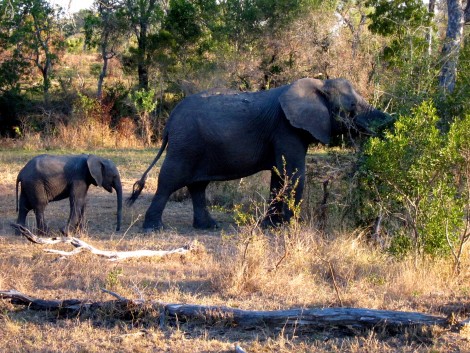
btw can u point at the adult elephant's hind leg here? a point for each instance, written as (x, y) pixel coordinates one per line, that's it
(202, 218)
(153, 216)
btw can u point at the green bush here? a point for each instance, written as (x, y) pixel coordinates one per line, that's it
(416, 177)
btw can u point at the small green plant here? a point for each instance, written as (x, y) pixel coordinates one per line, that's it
(112, 279)
(242, 216)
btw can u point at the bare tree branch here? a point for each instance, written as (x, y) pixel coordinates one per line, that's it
(80, 246)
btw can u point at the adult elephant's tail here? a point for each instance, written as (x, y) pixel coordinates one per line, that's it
(140, 184)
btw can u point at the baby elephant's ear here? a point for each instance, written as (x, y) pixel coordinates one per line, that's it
(304, 104)
(96, 167)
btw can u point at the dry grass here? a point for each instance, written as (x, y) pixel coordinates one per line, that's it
(239, 267)
(93, 134)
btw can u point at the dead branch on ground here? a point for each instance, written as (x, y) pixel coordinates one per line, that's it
(81, 245)
(301, 319)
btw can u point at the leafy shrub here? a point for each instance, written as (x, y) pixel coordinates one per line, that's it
(145, 103)
(417, 178)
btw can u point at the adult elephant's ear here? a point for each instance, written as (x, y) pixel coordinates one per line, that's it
(95, 166)
(304, 104)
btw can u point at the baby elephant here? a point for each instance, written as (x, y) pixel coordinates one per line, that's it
(47, 178)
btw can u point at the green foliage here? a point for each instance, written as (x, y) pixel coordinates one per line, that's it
(247, 216)
(85, 107)
(74, 45)
(11, 72)
(144, 100)
(182, 44)
(400, 245)
(407, 62)
(286, 194)
(117, 96)
(145, 103)
(257, 211)
(182, 21)
(244, 21)
(143, 18)
(396, 17)
(411, 175)
(30, 30)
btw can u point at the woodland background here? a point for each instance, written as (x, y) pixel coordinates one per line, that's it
(125, 63)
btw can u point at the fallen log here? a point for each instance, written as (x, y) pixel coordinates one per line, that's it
(300, 319)
(81, 245)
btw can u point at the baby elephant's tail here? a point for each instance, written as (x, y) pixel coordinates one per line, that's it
(140, 184)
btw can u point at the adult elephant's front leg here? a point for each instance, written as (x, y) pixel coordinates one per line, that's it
(202, 218)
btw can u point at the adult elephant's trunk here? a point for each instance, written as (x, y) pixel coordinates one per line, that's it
(118, 187)
(370, 119)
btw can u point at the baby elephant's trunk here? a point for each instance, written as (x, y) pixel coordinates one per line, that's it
(118, 187)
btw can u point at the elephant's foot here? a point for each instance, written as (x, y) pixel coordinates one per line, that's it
(150, 227)
(152, 230)
(205, 223)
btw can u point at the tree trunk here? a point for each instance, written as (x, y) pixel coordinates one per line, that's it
(452, 44)
(142, 65)
(467, 13)
(431, 10)
(104, 69)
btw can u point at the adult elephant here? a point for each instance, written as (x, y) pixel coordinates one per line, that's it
(47, 178)
(223, 135)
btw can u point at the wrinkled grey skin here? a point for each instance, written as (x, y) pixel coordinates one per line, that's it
(223, 135)
(47, 178)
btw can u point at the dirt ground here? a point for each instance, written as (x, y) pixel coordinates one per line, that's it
(206, 277)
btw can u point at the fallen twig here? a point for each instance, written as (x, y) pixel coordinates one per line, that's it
(80, 246)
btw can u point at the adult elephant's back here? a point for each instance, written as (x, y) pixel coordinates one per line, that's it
(225, 136)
